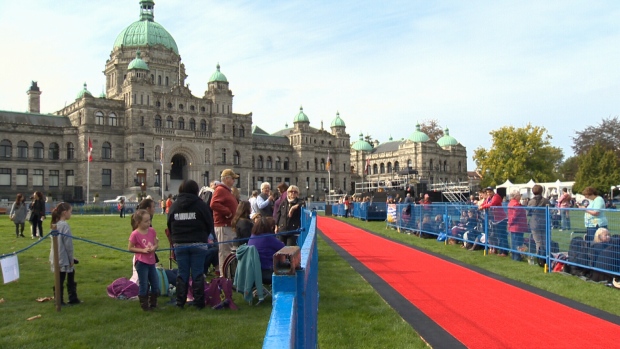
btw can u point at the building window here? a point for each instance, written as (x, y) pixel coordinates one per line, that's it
(389, 167)
(323, 185)
(223, 129)
(22, 177)
(269, 164)
(259, 163)
(166, 81)
(106, 177)
(223, 155)
(316, 164)
(278, 164)
(396, 166)
(374, 169)
(99, 118)
(234, 131)
(208, 156)
(22, 150)
(5, 177)
(112, 120)
(278, 180)
(316, 184)
(54, 152)
(203, 126)
(141, 120)
(69, 178)
(141, 151)
(308, 165)
(322, 164)
(382, 168)
(169, 122)
(236, 157)
(38, 150)
(192, 108)
(192, 124)
(159, 80)
(54, 178)
(409, 164)
(5, 149)
(157, 121)
(70, 151)
(106, 151)
(285, 164)
(181, 123)
(37, 178)
(180, 106)
(241, 131)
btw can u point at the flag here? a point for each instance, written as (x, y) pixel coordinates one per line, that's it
(90, 150)
(367, 166)
(328, 166)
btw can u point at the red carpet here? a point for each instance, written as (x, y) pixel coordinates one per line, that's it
(479, 311)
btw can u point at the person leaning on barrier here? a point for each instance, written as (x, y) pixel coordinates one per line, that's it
(499, 220)
(594, 218)
(517, 223)
(538, 219)
(190, 222)
(289, 216)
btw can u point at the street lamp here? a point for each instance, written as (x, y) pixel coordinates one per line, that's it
(307, 188)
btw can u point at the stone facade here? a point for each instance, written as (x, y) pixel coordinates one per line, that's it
(147, 104)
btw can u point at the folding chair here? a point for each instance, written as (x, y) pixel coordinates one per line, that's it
(248, 275)
(172, 257)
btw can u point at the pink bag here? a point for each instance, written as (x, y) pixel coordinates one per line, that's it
(123, 288)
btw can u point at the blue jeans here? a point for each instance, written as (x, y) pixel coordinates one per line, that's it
(500, 231)
(565, 219)
(516, 240)
(147, 274)
(190, 258)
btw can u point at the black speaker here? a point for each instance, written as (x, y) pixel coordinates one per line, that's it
(501, 192)
(420, 188)
(435, 196)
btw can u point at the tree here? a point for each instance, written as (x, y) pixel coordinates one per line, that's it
(607, 135)
(568, 169)
(598, 168)
(432, 129)
(518, 154)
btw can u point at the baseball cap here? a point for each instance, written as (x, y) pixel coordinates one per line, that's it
(228, 172)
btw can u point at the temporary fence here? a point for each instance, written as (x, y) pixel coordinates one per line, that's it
(293, 322)
(560, 239)
(366, 211)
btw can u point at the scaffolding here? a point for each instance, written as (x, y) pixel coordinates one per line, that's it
(453, 192)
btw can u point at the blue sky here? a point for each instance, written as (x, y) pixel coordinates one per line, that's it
(474, 66)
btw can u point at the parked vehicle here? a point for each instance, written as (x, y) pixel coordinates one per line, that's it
(117, 200)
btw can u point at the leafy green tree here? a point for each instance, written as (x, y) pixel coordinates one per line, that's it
(568, 169)
(518, 154)
(598, 168)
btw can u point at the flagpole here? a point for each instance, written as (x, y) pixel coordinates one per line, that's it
(161, 162)
(88, 173)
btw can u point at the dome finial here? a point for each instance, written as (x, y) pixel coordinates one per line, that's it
(147, 12)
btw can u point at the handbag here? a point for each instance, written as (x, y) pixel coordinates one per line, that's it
(12, 217)
(28, 215)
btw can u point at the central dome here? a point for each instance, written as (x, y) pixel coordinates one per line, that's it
(146, 32)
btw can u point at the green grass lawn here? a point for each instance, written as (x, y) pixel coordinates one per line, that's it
(351, 313)
(593, 294)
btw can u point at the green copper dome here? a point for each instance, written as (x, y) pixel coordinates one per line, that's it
(83, 93)
(218, 76)
(146, 32)
(418, 136)
(338, 122)
(301, 117)
(447, 140)
(362, 145)
(138, 63)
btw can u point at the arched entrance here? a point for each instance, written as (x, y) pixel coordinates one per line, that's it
(178, 169)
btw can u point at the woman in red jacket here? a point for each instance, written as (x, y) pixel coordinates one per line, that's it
(517, 223)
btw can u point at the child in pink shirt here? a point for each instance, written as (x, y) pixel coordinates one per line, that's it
(143, 242)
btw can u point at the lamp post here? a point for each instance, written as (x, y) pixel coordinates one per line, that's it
(307, 189)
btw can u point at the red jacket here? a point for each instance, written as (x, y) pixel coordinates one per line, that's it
(517, 218)
(223, 205)
(497, 213)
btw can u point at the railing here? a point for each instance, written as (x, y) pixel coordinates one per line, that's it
(556, 238)
(293, 322)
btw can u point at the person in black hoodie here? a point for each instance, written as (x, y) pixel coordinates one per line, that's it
(190, 222)
(289, 216)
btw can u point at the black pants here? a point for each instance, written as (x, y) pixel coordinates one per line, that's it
(71, 287)
(37, 224)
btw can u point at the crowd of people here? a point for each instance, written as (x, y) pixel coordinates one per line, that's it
(205, 226)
